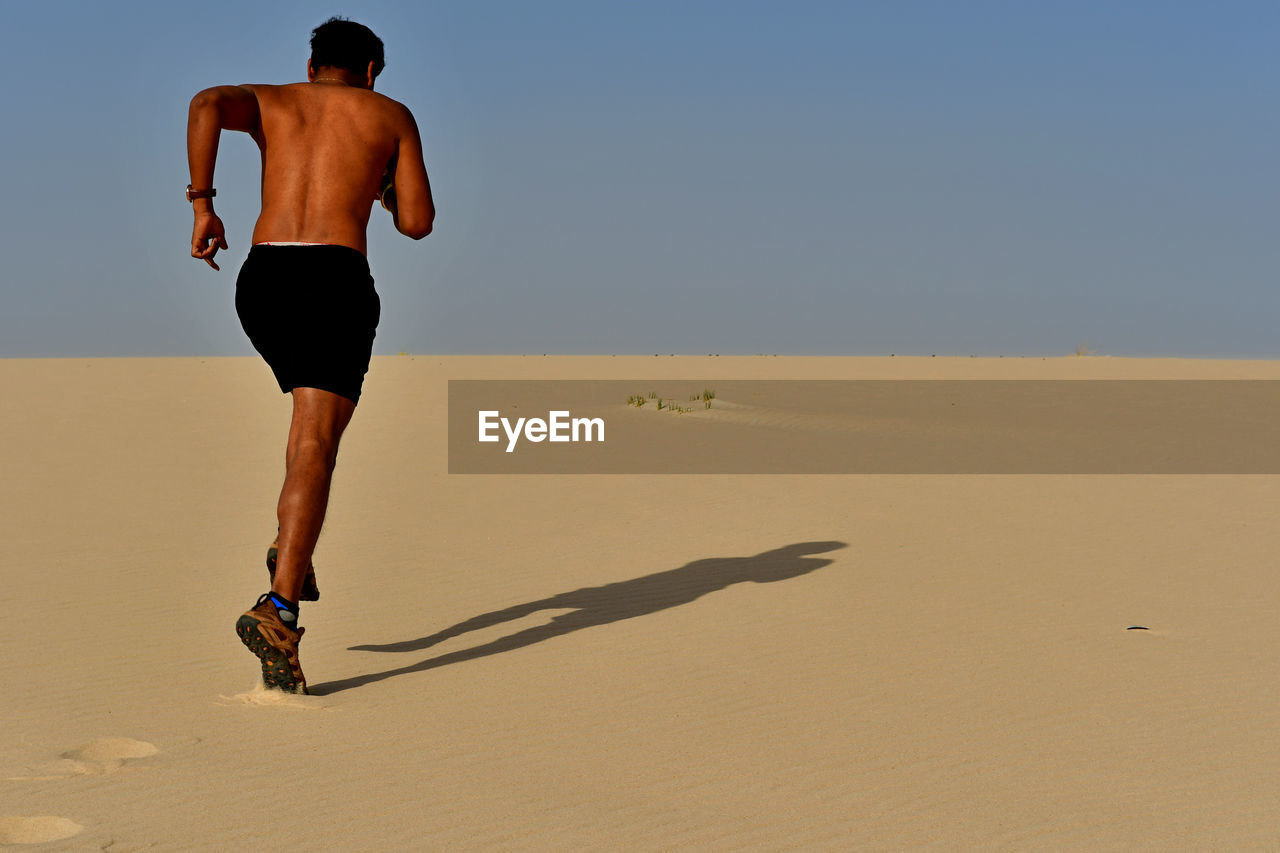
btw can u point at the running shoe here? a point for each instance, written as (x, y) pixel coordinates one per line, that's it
(275, 644)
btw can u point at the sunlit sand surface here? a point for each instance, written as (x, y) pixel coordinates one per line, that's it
(639, 662)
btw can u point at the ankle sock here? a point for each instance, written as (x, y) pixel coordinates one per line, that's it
(287, 609)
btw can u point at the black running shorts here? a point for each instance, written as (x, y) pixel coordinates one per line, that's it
(311, 311)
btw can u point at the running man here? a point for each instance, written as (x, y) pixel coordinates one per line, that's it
(330, 147)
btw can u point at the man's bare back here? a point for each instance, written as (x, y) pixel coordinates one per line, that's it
(326, 146)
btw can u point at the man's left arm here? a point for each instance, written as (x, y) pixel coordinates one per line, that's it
(211, 112)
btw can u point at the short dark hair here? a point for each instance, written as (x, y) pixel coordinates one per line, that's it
(339, 43)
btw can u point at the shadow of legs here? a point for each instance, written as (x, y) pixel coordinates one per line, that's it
(602, 605)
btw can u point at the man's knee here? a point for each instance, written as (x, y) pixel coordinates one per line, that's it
(310, 449)
(319, 419)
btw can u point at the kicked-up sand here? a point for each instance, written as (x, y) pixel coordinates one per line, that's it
(627, 661)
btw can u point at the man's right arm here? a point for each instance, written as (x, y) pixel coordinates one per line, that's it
(413, 209)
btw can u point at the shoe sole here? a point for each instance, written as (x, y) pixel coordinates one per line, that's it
(276, 672)
(310, 592)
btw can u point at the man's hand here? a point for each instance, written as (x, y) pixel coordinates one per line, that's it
(388, 194)
(207, 238)
(387, 188)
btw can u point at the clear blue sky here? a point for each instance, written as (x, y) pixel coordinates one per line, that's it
(693, 177)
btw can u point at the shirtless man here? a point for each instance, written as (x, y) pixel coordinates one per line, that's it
(331, 147)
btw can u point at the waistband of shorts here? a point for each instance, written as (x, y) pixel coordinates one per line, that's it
(281, 244)
(320, 257)
(278, 247)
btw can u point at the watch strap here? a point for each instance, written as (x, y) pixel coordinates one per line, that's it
(193, 194)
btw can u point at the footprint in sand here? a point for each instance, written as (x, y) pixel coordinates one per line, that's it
(95, 758)
(36, 830)
(108, 754)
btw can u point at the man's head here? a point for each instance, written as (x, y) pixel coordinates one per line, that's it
(346, 46)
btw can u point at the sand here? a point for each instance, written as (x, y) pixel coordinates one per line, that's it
(619, 662)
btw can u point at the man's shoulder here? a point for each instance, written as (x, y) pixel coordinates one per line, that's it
(391, 109)
(390, 104)
(402, 115)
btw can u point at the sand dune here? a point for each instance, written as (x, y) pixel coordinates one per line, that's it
(619, 662)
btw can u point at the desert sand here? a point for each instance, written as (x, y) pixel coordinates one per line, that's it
(619, 662)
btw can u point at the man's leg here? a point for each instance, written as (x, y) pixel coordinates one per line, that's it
(319, 418)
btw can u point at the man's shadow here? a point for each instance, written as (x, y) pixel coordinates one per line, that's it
(600, 605)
